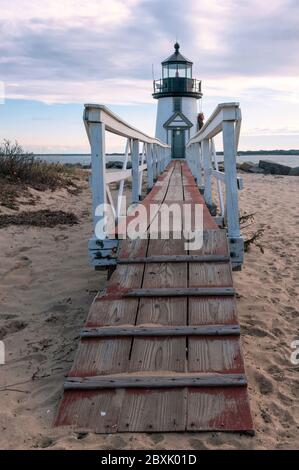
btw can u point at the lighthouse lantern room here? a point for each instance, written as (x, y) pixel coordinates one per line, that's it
(177, 93)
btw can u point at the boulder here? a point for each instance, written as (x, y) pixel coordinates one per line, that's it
(256, 169)
(245, 166)
(294, 171)
(274, 168)
(114, 165)
(249, 167)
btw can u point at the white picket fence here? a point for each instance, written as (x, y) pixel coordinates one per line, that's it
(147, 153)
(202, 160)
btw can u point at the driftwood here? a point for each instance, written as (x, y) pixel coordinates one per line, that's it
(254, 240)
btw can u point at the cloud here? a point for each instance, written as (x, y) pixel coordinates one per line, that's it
(107, 91)
(102, 50)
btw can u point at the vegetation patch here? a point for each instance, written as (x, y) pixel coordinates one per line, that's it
(20, 171)
(42, 218)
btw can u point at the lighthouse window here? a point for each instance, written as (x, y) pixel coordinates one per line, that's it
(177, 103)
(182, 70)
(172, 70)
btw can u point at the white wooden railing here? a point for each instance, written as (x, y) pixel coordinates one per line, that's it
(153, 156)
(202, 159)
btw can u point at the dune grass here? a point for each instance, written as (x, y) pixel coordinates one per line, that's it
(20, 170)
(19, 166)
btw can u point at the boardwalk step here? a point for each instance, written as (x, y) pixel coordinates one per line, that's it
(175, 259)
(181, 292)
(155, 381)
(215, 330)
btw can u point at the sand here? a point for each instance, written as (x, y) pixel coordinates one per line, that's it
(47, 286)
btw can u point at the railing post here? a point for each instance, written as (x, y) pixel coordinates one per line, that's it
(135, 171)
(158, 160)
(98, 166)
(207, 171)
(164, 158)
(155, 161)
(231, 190)
(149, 160)
(195, 153)
(199, 156)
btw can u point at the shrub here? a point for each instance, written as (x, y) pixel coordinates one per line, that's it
(18, 166)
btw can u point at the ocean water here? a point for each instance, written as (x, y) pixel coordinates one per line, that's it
(290, 160)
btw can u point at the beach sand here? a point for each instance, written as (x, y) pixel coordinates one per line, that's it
(47, 286)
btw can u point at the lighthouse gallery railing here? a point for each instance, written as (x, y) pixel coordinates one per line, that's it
(202, 160)
(146, 153)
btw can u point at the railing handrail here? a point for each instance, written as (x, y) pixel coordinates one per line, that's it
(202, 159)
(116, 125)
(212, 127)
(154, 157)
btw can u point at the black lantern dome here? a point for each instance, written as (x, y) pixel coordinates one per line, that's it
(177, 77)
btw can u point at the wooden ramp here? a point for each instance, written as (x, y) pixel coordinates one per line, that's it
(160, 349)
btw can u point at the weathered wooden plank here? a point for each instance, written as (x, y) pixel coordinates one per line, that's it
(180, 292)
(212, 310)
(164, 275)
(101, 356)
(214, 243)
(110, 331)
(96, 411)
(176, 259)
(210, 274)
(155, 381)
(112, 312)
(162, 310)
(158, 354)
(154, 410)
(218, 409)
(212, 354)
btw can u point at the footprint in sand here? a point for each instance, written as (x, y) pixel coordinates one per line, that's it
(11, 328)
(196, 444)
(264, 384)
(23, 262)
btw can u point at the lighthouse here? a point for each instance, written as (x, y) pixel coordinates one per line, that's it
(177, 93)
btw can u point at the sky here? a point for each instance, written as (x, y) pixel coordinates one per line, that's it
(57, 55)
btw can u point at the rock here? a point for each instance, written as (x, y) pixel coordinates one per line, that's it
(274, 168)
(118, 165)
(245, 166)
(294, 171)
(256, 169)
(250, 167)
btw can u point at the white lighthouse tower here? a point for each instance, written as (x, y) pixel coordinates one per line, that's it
(177, 93)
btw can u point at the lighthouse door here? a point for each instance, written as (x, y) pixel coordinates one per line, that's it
(178, 143)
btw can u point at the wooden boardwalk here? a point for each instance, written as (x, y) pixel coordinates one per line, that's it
(160, 349)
